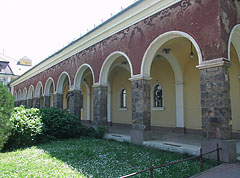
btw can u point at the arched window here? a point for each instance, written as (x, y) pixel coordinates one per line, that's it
(158, 96)
(123, 98)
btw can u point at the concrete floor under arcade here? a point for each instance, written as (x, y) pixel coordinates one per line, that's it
(175, 142)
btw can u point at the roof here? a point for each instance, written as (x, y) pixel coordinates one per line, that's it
(16, 69)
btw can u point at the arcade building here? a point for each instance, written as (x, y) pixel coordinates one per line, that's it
(168, 65)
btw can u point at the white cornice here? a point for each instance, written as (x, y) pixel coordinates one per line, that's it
(214, 63)
(142, 10)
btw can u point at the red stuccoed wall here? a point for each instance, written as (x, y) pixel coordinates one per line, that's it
(209, 22)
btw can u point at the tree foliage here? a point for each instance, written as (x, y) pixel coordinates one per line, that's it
(6, 107)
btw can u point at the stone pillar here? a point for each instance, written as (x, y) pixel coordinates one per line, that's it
(75, 103)
(46, 101)
(36, 102)
(24, 102)
(100, 106)
(58, 100)
(216, 109)
(141, 111)
(29, 103)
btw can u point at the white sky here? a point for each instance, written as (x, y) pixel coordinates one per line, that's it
(38, 28)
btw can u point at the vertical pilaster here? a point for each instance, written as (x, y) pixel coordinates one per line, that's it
(216, 108)
(75, 103)
(36, 102)
(29, 103)
(33, 102)
(141, 111)
(58, 100)
(46, 101)
(100, 105)
(25, 102)
(216, 102)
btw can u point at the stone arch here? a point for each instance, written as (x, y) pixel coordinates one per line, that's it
(38, 90)
(108, 66)
(79, 75)
(234, 38)
(157, 43)
(148, 59)
(60, 82)
(103, 77)
(30, 92)
(234, 73)
(47, 87)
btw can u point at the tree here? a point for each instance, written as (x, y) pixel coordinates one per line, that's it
(6, 107)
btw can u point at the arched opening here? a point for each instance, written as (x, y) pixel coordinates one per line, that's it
(83, 82)
(30, 96)
(39, 95)
(49, 91)
(63, 86)
(25, 96)
(15, 95)
(115, 73)
(19, 97)
(234, 74)
(171, 61)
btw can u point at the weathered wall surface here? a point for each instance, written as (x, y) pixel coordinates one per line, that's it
(202, 19)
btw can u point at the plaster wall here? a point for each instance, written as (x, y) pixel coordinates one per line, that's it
(234, 73)
(161, 72)
(119, 80)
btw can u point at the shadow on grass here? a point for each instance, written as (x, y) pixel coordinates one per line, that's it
(107, 158)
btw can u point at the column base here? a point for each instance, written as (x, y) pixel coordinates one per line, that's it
(227, 154)
(138, 136)
(109, 124)
(181, 130)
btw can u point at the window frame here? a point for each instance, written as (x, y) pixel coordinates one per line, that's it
(123, 99)
(154, 107)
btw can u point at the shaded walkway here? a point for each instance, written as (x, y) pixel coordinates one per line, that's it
(181, 143)
(222, 171)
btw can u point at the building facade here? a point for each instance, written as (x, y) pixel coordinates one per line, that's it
(169, 65)
(11, 69)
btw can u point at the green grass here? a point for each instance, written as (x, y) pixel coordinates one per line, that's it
(89, 157)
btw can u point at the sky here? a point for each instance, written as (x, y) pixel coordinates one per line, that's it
(39, 28)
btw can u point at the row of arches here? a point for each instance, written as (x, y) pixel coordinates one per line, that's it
(174, 84)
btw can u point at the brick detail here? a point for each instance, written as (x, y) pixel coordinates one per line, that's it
(75, 103)
(58, 100)
(46, 102)
(100, 106)
(216, 102)
(141, 113)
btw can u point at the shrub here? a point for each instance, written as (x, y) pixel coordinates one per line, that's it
(6, 107)
(99, 132)
(60, 124)
(26, 127)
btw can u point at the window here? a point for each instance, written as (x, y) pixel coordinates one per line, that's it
(158, 96)
(123, 98)
(2, 80)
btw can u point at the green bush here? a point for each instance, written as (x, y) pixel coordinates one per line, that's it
(60, 124)
(26, 127)
(30, 126)
(6, 107)
(99, 132)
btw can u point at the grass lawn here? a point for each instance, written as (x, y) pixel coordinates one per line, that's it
(89, 157)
